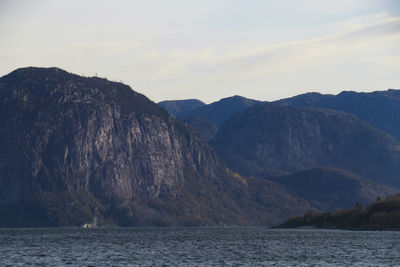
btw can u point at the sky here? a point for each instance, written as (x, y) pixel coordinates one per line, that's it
(210, 49)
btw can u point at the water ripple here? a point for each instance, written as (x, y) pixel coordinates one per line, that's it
(197, 247)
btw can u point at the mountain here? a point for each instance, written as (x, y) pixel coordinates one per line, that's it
(327, 188)
(205, 127)
(381, 215)
(304, 100)
(179, 108)
(380, 108)
(269, 139)
(76, 150)
(206, 119)
(218, 112)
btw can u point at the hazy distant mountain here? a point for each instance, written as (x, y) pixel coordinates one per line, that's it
(381, 215)
(218, 112)
(269, 139)
(304, 100)
(329, 188)
(205, 127)
(76, 150)
(179, 108)
(206, 119)
(381, 108)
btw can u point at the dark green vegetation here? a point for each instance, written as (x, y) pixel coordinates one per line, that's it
(74, 150)
(381, 108)
(381, 215)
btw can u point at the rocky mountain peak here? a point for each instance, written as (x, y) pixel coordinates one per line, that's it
(77, 148)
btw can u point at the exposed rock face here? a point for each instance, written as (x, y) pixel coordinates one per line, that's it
(76, 130)
(179, 108)
(62, 132)
(74, 149)
(269, 138)
(381, 108)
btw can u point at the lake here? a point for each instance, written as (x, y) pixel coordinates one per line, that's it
(197, 247)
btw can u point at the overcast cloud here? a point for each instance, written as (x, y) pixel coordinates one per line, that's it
(210, 49)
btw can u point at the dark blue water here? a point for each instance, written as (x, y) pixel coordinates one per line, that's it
(197, 247)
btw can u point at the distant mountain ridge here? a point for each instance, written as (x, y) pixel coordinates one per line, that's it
(344, 187)
(206, 119)
(218, 112)
(269, 139)
(380, 108)
(179, 108)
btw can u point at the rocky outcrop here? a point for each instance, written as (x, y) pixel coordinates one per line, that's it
(76, 148)
(63, 132)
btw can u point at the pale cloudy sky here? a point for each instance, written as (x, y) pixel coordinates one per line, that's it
(209, 49)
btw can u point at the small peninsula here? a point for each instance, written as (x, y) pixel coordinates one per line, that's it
(383, 214)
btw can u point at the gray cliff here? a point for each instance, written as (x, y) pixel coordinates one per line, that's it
(77, 149)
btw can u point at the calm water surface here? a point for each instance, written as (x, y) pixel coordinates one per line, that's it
(197, 247)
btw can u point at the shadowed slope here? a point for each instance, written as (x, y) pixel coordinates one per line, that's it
(380, 108)
(269, 139)
(179, 108)
(329, 188)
